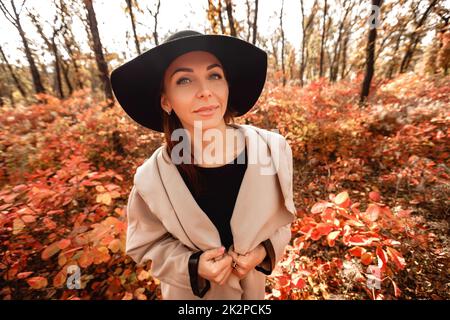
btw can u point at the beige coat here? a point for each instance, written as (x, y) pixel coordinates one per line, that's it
(166, 225)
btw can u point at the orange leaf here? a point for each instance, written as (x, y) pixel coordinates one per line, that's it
(37, 282)
(86, 259)
(49, 251)
(342, 200)
(23, 275)
(28, 218)
(60, 278)
(64, 243)
(366, 258)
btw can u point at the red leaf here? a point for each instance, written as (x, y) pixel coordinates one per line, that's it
(373, 212)
(383, 258)
(332, 237)
(396, 257)
(298, 282)
(319, 207)
(397, 291)
(315, 235)
(357, 240)
(374, 196)
(357, 251)
(324, 228)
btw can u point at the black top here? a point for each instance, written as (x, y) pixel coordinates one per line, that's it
(220, 187)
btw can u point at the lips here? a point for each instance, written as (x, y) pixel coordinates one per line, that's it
(206, 108)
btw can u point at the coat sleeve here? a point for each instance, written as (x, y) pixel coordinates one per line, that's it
(278, 241)
(275, 247)
(148, 239)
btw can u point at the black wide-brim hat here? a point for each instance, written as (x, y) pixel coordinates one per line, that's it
(137, 83)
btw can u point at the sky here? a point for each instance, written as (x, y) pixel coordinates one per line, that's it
(114, 23)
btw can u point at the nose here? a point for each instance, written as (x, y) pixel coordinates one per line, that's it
(204, 91)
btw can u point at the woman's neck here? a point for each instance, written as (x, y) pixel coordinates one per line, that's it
(218, 146)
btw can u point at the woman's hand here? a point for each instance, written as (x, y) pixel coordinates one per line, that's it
(215, 265)
(245, 263)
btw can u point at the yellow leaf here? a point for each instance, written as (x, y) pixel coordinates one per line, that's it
(114, 245)
(143, 275)
(18, 226)
(100, 188)
(104, 198)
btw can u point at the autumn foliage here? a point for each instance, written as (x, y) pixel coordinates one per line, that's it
(371, 188)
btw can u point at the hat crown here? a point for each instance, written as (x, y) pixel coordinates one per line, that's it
(182, 34)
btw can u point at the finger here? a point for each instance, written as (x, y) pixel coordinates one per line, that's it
(227, 275)
(221, 276)
(234, 255)
(214, 253)
(238, 272)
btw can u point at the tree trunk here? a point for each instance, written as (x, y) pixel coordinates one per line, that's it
(229, 8)
(344, 56)
(13, 74)
(133, 25)
(322, 41)
(57, 70)
(155, 19)
(414, 39)
(282, 43)
(98, 51)
(370, 58)
(52, 48)
(334, 65)
(14, 18)
(302, 61)
(255, 19)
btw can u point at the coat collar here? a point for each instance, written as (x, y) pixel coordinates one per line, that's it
(198, 227)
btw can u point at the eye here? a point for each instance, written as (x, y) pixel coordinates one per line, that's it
(216, 74)
(180, 81)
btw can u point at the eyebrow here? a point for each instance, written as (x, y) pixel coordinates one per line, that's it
(190, 70)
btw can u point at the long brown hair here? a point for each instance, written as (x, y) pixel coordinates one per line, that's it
(170, 124)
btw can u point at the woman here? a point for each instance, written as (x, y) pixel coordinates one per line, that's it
(212, 228)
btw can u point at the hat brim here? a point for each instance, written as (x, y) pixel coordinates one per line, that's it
(136, 84)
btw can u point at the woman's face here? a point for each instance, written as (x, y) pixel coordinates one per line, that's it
(192, 81)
